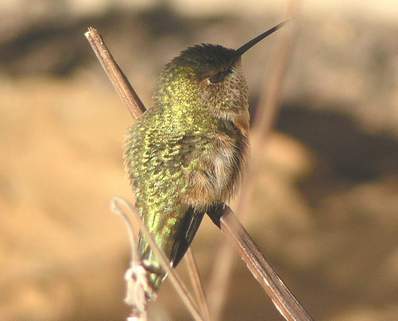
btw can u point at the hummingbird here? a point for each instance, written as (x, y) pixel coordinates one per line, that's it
(184, 156)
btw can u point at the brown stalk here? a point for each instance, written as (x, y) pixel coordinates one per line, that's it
(136, 108)
(220, 279)
(194, 276)
(118, 79)
(280, 295)
(119, 205)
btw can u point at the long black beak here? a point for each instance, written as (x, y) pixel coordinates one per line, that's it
(241, 50)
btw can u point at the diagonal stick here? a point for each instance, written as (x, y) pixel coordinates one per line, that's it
(118, 79)
(136, 108)
(194, 275)
(285, 302)
(118, 205)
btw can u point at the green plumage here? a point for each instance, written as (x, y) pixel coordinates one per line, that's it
(184, 155)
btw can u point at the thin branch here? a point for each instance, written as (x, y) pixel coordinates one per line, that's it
(219, 280)
(119, 205)
(283, 299)
(136, 108)
(132, 233)
(138, 294)
(118, 79)
(194, 275)
(269, 106)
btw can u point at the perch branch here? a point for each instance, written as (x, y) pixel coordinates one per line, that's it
(119, 206)
(194, 275)
(136, 108)
(118, 79)
(282, 298)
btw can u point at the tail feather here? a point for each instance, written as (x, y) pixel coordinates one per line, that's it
(185, 235)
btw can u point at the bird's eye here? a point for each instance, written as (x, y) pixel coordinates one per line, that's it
(219, 76)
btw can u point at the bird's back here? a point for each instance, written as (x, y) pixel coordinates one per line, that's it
(159, 157)
(178, 172)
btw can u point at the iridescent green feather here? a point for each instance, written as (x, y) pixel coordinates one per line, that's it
(162, 148)
(179, 143)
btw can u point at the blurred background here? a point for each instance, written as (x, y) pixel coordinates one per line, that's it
(325, 204)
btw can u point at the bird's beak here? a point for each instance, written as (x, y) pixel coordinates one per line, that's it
(241, 50)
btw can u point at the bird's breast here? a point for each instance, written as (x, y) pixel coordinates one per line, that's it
(218, 174)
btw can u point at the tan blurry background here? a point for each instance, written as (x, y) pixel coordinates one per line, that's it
(325, 203)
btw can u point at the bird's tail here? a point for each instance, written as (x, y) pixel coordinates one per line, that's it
(174, 249)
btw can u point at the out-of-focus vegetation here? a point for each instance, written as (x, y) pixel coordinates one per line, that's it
(325, 204)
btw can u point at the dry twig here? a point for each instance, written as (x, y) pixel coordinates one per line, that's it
(136, 108)
(118, 79)
(197, 284)
(122, 207)
(283, 299)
